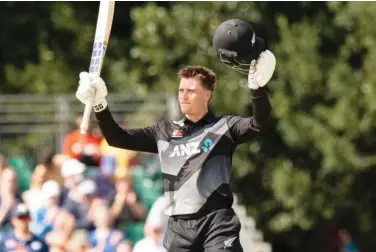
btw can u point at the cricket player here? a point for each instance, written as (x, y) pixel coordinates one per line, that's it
(195, 153)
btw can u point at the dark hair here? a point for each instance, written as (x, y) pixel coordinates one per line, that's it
(204, 74)
(45, 157)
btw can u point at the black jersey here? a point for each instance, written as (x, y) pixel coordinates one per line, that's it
(195, 157)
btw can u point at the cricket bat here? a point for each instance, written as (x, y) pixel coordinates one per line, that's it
(102, 35)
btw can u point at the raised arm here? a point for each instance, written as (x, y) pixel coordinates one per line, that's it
(92, 90)
(244, 129)
(143, 139)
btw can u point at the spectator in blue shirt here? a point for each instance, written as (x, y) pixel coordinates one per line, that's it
(45, 217)
(347, 244)
(105, 238)
(83, 207)
(20, 238)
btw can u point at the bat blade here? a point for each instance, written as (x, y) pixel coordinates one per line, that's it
(102, 36)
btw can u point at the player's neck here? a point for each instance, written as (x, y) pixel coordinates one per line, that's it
(196, 117)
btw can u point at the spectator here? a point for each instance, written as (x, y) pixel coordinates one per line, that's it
(3, 163)
(125, 206)
(155, 227)
(59, 159)
(347, 244)
(104, 179)
(21, 239)
(23, 171)
(72, 171)
(49, 160)
(152, 241)
(8, 195)
(32, 196)
(57, 162)
(79, 241)
(84, 207)
(85, 148)
(104, 238)
(58, 238)
(20, 167)
(156, 215)
(46, 215)
(105, 185)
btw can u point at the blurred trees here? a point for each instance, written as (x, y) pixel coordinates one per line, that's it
(314, 171)
(44, 46)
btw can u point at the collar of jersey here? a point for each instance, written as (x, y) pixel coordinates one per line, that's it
(208, 117)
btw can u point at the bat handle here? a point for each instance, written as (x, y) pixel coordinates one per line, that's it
(86, 118)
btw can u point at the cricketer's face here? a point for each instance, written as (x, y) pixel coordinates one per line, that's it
(193, 97)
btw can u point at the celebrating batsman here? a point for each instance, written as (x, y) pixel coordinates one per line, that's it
(195, 152)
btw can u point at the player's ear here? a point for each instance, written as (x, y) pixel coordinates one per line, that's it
(208, 94)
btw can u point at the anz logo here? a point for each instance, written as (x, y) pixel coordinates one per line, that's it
(191, 148)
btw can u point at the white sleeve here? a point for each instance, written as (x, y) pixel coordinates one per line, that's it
(157, 214)
(138, 247)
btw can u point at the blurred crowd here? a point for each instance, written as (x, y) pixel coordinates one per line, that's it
(90, 197)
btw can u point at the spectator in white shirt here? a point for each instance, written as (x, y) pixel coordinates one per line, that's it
(155, 227)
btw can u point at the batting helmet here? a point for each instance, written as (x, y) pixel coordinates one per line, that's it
(237, 44)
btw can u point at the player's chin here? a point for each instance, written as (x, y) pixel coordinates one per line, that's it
(185, 109)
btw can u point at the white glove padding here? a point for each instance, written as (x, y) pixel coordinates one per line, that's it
(92, 90)
(261, 71)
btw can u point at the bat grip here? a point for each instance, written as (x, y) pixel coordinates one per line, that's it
(86, 118)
